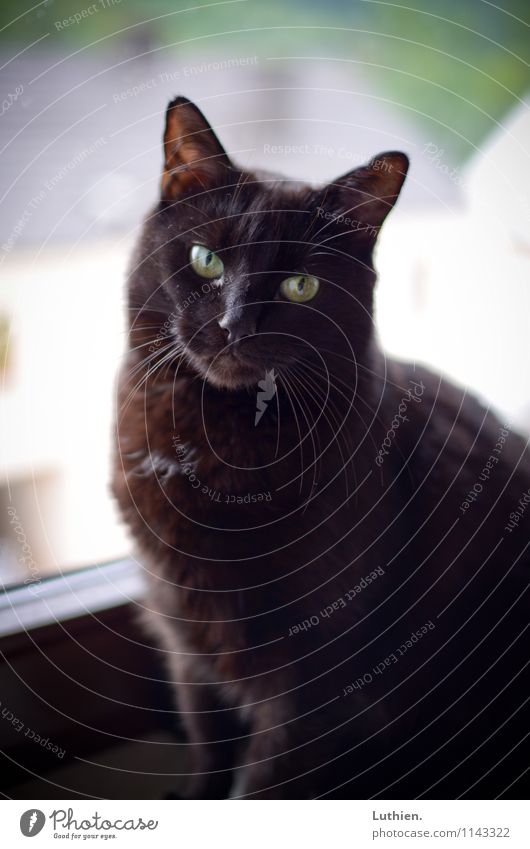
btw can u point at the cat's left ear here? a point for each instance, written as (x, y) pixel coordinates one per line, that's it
(367, 194)
(194, 158)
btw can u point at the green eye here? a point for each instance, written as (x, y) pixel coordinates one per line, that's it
(300, 288)
(205, 263)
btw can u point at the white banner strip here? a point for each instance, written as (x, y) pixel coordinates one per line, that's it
(262, 825)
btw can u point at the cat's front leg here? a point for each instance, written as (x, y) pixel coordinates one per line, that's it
(212, 732)
(271, 767)
(212, 728)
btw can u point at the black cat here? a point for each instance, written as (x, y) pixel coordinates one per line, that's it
(334, 565)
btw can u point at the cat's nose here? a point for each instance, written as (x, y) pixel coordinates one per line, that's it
(237, 329)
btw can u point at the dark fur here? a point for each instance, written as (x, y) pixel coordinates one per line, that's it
(229, 580)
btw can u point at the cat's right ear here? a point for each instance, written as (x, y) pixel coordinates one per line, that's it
(194, 158)
(366, 195)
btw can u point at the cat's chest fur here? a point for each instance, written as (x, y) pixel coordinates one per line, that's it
(192, 470)
(227, 527)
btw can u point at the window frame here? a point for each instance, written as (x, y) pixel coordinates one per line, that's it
(76, 667)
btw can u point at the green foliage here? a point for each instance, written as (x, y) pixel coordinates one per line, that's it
(455, 67)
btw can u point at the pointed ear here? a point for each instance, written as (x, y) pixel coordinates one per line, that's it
(193, 155)
(367, 194)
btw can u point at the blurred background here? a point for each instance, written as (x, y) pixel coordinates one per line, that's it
(82, 96)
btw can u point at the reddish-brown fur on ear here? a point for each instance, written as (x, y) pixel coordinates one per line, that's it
(193, 155)
(376, 187)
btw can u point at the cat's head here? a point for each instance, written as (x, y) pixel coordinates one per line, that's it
(242, 273)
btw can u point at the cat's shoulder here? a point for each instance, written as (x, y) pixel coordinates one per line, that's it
(445, 419)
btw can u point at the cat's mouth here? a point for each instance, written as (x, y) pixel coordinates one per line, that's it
(229, 369)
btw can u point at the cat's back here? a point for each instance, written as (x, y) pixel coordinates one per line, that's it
(466, 493)
(450, 438)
